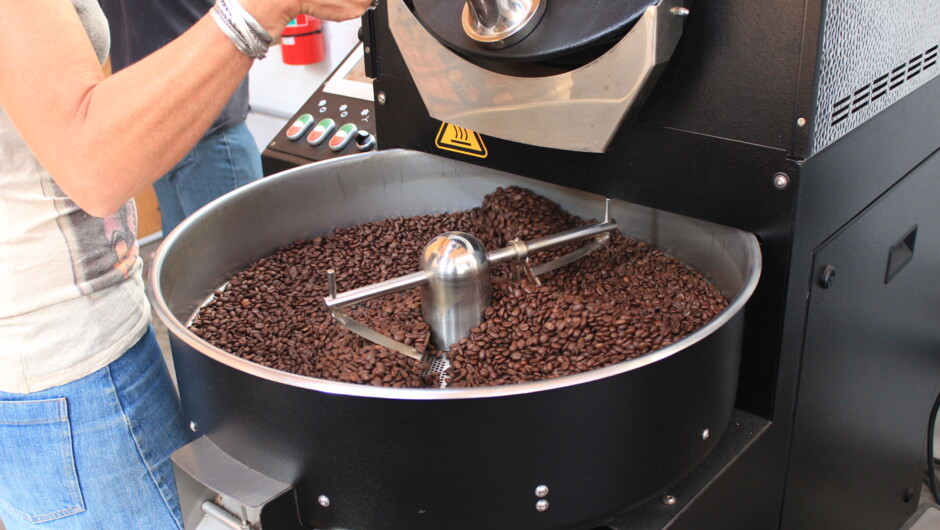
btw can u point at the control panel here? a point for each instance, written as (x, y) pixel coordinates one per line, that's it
(337, 120)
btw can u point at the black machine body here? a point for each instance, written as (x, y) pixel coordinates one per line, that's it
(813, 125)
(772, 118)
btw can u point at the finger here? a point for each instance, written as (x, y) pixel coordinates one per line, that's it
(336, 10)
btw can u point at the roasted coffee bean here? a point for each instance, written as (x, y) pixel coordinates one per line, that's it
(620, 302)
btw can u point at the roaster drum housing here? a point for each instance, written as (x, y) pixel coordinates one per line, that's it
(601, 442)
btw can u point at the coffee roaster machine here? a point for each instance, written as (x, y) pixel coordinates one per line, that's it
(814, 126)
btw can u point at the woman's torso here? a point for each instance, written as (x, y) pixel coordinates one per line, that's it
(71, 291)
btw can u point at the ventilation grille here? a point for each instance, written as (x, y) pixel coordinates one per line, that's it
(883, 85)
(871, 55)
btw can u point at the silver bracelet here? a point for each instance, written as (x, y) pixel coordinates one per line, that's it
(256, 29)
(229, 31)
(244, 38)
(241, 28)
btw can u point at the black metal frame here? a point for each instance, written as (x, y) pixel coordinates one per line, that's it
(720, 126)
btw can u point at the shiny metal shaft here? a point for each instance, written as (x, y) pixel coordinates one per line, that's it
(417, 279)
(552, 241)
(420, 278)
(362, 294)
(455, 278)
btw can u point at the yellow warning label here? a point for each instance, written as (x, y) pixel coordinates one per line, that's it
(460, 140)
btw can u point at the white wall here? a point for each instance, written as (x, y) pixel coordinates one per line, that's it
(277, 90)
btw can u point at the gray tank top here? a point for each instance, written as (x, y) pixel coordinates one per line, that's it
(71, 293)
(96, 25)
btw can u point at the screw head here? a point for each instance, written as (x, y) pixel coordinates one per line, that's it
(381, 98)
(324, 501)
(781, 181)
(669, 500)
(801, 122)
(193, 426)
(541, 491)
(542, 505)
(828, 277)
(705, 434)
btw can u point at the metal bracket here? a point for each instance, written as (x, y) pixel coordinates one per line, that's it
(372, 335)
(571, 257)
(364, 331)
(591, 101)
(219, 492)
(521, 265)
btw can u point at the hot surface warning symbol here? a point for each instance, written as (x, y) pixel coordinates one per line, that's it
(460, 140)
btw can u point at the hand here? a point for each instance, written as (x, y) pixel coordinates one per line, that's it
(335, 10)
(273, 16)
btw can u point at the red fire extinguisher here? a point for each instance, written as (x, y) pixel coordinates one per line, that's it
(302, 41)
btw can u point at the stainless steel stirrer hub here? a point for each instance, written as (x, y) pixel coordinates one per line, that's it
(458, 288)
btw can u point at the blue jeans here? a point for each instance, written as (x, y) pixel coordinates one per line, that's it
(220, 162)
(94, 453)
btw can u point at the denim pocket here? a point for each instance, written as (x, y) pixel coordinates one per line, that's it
(37, 468)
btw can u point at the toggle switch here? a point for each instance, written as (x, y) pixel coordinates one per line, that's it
(364, 141)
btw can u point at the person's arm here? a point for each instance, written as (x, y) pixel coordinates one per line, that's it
(103, 140)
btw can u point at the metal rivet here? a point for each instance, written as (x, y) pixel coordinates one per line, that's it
(681, 11)
(801, 122)
(381, 98)
(669, 500)
(781, 181)
(541, 491)
(366, 50)
(192, 426)
(324, 501)
(828, 277)
(705, 434)
(542, 505)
